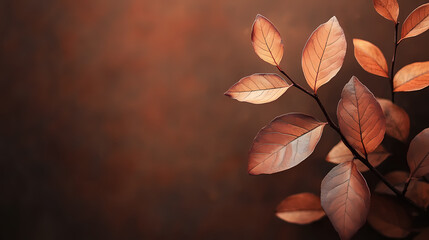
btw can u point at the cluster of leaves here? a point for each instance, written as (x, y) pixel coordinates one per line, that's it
(363, 121)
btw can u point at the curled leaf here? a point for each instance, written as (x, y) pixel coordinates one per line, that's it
(302, 208)
(389, 9)
(258, 88)
(389, 217)
(266, 41)
(418, 154)
(412, 77)
(416, 23)
(340, 153)
(284, 143)
(370, 58)
(397, 120)
(323, 54)
(345, 197)
(360, 117)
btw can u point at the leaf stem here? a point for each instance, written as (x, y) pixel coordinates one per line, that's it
(364, 160)
(392, 66)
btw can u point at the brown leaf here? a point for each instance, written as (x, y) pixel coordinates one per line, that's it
(266, 41)
(370, 58)
(389, 217)
(416, 23)
(323, 54)
(345, 197)
(412, 77)
(424, 235)
(258, 88)
(340, 153)
(396, 178)
(389, 9)
(302, 208)
(418, 154)
(360, 117)
(284, 143)
(397, 120)
(418, 192)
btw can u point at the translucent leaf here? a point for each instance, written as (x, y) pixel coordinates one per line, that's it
(389, 217)
(345, 197)
(284, 143)
(340, 153)
(397, 120)
(389, 9)
(370, 58)
(418, 154)
(360, 117)
(266, 41)
(323, 54)
(258, 88)
(412, 77)
(302, 208)
(416, 23)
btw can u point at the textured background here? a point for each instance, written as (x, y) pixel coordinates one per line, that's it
(113, 123)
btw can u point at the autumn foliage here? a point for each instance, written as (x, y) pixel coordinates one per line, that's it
(363, 121)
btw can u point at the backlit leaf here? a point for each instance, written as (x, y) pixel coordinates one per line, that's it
(345, 197)
(397, 120)
(258, 88)
(323, 54)
(360, 117)
(416, 23)
(302, 208)
(389, 217)
(389, 9)
(370, 58)
(412, 77)
(266, 41)
(340, 153)
(418, 154)
(284, 143)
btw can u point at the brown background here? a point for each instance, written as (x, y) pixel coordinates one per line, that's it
(114, 124)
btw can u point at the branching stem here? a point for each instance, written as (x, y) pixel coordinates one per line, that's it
(364, 160)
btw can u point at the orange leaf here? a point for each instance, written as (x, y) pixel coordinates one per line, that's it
(258, 88)
(418, 154)
(389, 9)
(412, 77)
(370, 58)
(340, 153)
(323, 54)
(302, 208)
(416, 23)
(397, 120)
(284, 143)
(345, 198)
(266, 41)
(360, 117)
(389, 217)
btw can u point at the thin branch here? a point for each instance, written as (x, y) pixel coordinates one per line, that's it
(356, 155)
(392, 66)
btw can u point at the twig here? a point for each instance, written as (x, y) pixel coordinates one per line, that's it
(392, 66)
(354, 152)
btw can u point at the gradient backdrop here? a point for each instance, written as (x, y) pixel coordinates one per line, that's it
(113, 122)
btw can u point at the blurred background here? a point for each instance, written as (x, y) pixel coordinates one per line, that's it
(113, 122)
